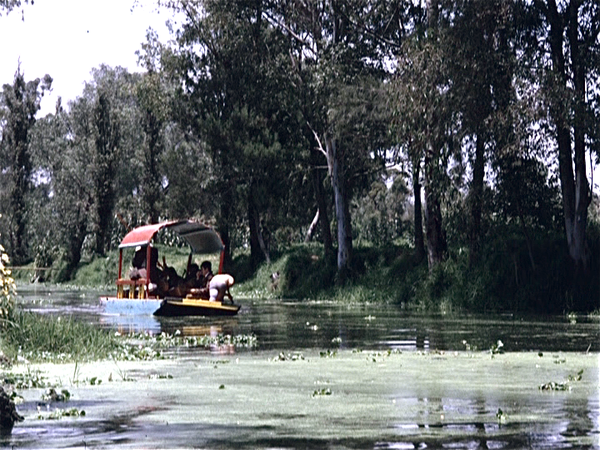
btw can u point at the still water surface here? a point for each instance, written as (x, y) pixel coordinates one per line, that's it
(440, 388)
(287, 325)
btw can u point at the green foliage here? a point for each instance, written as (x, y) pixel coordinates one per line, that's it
(232, 119)
(504, 281)
(31, 379)
(58, 339)
(100, 271)
(8, 290)
(19, 104)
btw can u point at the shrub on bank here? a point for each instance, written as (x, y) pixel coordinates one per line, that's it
(7, 289)
(37, 337)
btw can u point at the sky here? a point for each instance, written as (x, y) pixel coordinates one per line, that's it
(68, 38)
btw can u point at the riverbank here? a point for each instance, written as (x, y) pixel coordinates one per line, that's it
(341, 399)
(504, 281)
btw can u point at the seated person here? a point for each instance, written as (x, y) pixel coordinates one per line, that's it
(139, 269)
(203, 277)
(205, 274)
(187, 285)
(151, 272)
(171, 276)
(138, 263)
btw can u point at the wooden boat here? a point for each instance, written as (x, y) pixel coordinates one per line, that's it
(143, 290)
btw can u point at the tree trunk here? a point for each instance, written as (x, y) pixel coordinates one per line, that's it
(419, 238)
(476, 201)
(74, 244)
(575, 189)
(106, 145)
(322, 205)
(344, 229)
(436, 239)
(311, 229)
(258, 250)
(223, 222)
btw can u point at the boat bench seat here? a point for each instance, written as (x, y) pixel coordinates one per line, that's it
(138, 285)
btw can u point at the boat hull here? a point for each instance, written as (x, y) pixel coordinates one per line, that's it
(169, 307)
(195, 307)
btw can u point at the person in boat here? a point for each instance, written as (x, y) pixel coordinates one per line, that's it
(181, 287)
(219, 287)
(138, 263)
(172, 278)
(139, 266)
(205, 274)
(191, 276)
(203, 277)
(196, 285)
(158, 282)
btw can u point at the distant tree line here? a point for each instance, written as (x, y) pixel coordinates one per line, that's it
(437, 123)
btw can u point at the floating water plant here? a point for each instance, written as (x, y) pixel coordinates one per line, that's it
(31, 379)
(288, 357)
(321, 392)
(576, 377)
(166, 340)
(58, 414)
(497, 348)
(160, 376)
(554, 386)
(565, 386)
(52, 396)
(328, 354)
(500, 416)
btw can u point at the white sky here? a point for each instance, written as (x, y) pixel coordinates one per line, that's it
(68, 38)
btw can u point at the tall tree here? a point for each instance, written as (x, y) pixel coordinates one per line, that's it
(422, 121)
(335, 47)
(112, 132)
(20, 102)
(481, 66)
(154, 110)
(235, 85)
(107, 136)
(64, 143)
(569, 31)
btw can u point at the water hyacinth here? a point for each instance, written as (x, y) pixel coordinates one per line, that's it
(166, 340)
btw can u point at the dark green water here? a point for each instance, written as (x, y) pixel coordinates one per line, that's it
(439, 387)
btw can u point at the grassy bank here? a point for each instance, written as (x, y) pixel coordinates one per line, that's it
(513, 275)
(35, 337)
(509, 278)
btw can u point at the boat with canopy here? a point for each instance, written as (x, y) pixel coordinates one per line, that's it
(144, 285)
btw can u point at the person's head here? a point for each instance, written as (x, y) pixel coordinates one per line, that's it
(206, 267)
(193, 270)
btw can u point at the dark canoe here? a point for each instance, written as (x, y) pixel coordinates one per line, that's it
(174, 306)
